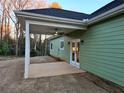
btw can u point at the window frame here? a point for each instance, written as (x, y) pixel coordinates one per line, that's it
(51, 46)
(62, 48)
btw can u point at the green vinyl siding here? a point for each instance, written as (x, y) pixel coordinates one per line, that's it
(56, 51)
(102, 52)
(67, 49)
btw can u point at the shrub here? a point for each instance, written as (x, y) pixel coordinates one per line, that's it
(5, 48)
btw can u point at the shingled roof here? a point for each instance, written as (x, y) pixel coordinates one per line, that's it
(59, 13)
(75, 15)
(106, 8)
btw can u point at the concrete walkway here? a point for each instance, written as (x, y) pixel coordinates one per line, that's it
(51, 69)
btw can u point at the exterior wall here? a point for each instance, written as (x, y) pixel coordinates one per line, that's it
(102, 52)
(63, 54)
(55, 51)
(71, 36)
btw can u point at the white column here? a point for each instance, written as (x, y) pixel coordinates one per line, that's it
(27, 50)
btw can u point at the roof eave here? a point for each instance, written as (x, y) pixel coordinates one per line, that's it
(49, 18)
(111, 13)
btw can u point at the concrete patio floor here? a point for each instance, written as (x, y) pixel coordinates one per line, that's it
(51, 69)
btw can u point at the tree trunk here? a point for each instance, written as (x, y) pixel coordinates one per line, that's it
(45, 46)
(17, 39)
(2, 26)
(35, 42)
(20, 41)
(40, 45)
(5, 25)
(8, 30)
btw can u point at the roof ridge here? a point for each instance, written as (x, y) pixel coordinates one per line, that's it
(58, 12)
(55, 9)
(70, 11)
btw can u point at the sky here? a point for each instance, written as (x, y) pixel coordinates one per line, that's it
(84, 6)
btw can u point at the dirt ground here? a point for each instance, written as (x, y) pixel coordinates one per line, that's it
(12, 81)
(2, 58)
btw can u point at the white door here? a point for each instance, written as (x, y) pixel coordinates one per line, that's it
(74, 52)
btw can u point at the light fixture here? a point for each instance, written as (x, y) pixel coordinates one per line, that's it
(82, 41)
(69, 42)
(56, 33)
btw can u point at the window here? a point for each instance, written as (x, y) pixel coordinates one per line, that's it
(61, 44)
(51, 46)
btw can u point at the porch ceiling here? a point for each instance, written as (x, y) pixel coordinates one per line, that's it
(38, 29)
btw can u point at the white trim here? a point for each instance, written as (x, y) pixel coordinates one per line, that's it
(107, 14)
(75, 40)
(74, 63)
(27, 50)
(69, 26)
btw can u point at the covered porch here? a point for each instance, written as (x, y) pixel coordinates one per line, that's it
(44, 24)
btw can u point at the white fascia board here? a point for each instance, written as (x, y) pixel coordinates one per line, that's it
(110, 13)
(49, 18)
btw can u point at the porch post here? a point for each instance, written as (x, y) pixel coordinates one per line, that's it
(27, 50)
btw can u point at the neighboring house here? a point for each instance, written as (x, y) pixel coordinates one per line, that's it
(94, 43)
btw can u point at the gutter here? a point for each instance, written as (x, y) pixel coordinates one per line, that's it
(111, 13)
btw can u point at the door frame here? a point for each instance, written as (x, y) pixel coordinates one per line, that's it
(74, 63)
